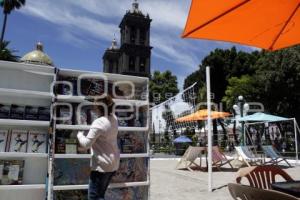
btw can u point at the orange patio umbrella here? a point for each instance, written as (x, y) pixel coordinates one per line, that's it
(267, 24)
(202, 115)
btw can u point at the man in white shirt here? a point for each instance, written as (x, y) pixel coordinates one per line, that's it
(102, 140)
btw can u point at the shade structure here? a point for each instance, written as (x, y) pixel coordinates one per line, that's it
(262, 117)
(182, 139)
(202, 115)
(267, 24)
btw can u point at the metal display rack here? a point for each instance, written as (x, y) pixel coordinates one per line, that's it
(32, 86)
(26, 85)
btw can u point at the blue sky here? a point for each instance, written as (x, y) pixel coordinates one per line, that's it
(75, 33)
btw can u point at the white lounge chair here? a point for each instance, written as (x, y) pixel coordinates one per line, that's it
(248, 156)
(270, 152)
(219, 159)
(190, 156)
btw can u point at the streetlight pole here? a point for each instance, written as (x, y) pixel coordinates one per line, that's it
(242, 109)
(241, 104)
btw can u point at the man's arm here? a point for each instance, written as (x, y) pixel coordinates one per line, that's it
(95, 131)
(87, 141)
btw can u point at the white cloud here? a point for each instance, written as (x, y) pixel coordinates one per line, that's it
(103, 8)
(173, 50)
(165, 13)
(70, 21)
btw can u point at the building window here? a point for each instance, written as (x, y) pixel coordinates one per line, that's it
(110, 66)
(132, 34)
(131, 63)
(142, 36)
(122, 36)
(142, 64)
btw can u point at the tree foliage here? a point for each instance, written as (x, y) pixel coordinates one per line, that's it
(8, 6)
(270, 78)
(278, 76)
(163, 85)
(245, 86)
(6, 53)
(223, 64)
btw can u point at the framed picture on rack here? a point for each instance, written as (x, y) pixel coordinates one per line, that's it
(131, 170)
(71, 195)
(37, 142)
(132, 142)
(71, 171)
(18, 141)
(132, 193)
(12, 172)
(3, 140)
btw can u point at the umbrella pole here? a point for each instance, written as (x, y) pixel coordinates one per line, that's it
(209, 136)
(296, 140)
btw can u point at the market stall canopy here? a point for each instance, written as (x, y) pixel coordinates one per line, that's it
(267, 24)
(202, 115)
(262, 117)
(182, 139)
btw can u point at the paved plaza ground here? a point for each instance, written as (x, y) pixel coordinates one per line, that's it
(167, 183)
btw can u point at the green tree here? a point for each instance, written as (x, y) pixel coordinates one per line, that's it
(163, 85)
(224, 64)
(278, 76)
(6, 53)
(8, 6)
(246, 86)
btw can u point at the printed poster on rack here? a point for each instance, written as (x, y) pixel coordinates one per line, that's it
(3, 140)
(18, 141)
(71, 195)
(131, 170)
(37, 141)
(127, 193)
(12, 172)
(132, 142)
(71, 171)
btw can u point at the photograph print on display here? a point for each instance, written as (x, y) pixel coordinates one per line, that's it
(18, 141)
(3, 139)
(37, 142)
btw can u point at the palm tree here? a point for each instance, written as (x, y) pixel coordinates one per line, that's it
(8, 6)
(7, 54)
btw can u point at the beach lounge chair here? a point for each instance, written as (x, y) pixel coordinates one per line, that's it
(271, 153)
(244, 192)
(262, 176)
(190, 156)
(219, 159)
(248, 156)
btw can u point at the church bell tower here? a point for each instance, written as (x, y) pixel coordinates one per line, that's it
(134, 55)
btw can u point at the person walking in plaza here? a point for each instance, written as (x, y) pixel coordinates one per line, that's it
(102, 140)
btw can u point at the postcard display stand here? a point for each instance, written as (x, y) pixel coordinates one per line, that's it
(71, 165)
(25, 101)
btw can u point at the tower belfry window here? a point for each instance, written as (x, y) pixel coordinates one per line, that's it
(132, 34)
(142, 36)
(110, 66)
(131, 63)
(142, 64)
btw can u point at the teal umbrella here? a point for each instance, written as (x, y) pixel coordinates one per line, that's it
(262, 117)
